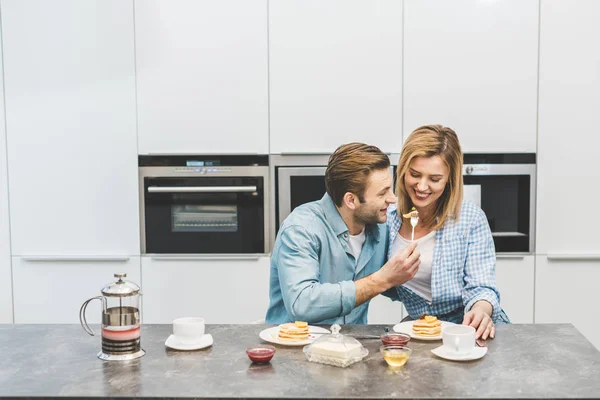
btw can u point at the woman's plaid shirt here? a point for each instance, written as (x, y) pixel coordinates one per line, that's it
(463, 267)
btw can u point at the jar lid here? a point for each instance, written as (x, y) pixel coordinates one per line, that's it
(335, 349)
(121, 287)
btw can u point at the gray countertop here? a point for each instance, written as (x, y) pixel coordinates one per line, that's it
(524, 361)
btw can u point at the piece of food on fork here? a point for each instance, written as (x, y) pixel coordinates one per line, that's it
(412, 213)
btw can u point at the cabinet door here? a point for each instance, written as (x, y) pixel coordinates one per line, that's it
(569, 129)
(335, 74)
(472, 65)
(220, 291)
(6, 308)
(202, 76)
(566, 291)
(51, 290)
(70, 112)
(382, 310)
(515, 280)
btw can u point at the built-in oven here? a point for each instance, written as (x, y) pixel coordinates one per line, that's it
(503, 185)
(204, 204)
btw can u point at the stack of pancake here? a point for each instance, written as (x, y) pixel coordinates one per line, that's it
(293, 331)
(427, 325)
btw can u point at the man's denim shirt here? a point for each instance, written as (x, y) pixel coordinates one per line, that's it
(313, 269)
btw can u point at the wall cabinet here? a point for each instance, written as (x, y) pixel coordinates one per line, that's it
(472, 65)
(515, 277)
(220, 291)
(202, 76)
(335, 74)
(569, 136)
(70, 112)
(51, 290)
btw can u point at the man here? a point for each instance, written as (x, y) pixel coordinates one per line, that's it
(329, 255)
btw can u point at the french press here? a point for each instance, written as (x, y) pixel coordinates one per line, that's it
(120, 320)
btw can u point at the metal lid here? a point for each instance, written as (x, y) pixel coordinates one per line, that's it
(120, 287)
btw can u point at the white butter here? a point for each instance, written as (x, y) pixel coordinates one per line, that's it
(338, 350)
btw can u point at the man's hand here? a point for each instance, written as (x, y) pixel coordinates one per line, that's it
(399, 269)
(402, 267)
(479, 317)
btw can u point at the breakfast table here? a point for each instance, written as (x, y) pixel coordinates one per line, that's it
(523, 361)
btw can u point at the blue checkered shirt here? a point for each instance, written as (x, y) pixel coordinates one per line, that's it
(462, 270)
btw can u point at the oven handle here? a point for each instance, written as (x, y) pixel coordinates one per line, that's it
(201, 189)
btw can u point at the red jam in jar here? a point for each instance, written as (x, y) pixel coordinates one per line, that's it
(397, 339)
(260, 354)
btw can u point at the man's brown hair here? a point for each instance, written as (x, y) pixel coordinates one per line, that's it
(349, 167)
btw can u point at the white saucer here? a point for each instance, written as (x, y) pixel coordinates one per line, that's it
(173, 343)
(406, 327)
(474, 354)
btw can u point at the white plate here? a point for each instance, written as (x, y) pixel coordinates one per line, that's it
(271, 335)
(474, 354)
(406, 327)
(204, 341)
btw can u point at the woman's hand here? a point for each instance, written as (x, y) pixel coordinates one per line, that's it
(479, 317)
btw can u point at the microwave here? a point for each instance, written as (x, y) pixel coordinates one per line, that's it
(503, 185)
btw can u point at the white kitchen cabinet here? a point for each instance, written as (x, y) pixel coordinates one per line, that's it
(566, 291)
(472, 65)
(53, 290)
(384, 311)
(220, 291)
(515, 277)
(568, 264)
(70, 111)
(6, 309)
(569, 130)
(202, 76)
(335, 74)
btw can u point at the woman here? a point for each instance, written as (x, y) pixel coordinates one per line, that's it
(456, 279)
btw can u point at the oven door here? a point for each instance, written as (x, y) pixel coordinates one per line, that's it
(296, 186)
(198, 215)
(506, 195)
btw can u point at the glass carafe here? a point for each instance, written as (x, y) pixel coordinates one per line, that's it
(121, 322)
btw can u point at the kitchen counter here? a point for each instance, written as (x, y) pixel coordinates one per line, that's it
(532, 361)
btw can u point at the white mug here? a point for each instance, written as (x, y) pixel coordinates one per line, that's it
(188, 330)
(459, 339)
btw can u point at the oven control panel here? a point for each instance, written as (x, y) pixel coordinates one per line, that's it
(203, 170)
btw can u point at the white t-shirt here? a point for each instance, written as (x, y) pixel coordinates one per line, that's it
(421, 282)
(356, 243)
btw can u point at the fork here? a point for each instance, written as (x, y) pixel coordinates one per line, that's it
(413, 222)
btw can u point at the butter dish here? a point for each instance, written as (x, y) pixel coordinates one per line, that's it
(335, 349)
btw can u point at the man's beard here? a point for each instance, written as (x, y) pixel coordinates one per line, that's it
(367, 217)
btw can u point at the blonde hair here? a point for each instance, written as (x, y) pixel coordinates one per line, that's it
(429, 141)
(349, 167)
